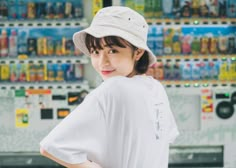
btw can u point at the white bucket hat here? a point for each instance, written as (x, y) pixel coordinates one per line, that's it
(117, 21)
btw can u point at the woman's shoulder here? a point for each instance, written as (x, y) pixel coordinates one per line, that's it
(121, 84)
(109, 85)
(113, 82)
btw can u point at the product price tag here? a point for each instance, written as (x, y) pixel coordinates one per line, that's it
(22, 57)
(207, 100)
(22, 118)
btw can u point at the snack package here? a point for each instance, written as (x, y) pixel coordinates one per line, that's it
(231, 9)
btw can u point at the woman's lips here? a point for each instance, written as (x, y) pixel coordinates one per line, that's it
(107, 72)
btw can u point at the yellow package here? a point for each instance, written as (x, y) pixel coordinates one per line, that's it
(5, 72)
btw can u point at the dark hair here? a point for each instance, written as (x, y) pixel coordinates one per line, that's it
(141, 65)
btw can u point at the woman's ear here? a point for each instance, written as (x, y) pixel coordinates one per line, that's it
(139, 53)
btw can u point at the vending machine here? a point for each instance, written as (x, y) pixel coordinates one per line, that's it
(206, 117)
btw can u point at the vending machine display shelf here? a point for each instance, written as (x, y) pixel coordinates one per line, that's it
(199, 83)
(45, 85)
(45, 23)
(194, 21)
(198, 56)
(45, 59)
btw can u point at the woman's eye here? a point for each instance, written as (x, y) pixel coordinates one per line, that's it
(94, 52)
(112, 51)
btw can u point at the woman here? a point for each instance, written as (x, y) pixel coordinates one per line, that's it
(126, 122)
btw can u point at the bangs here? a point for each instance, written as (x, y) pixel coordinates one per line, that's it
(98, 43)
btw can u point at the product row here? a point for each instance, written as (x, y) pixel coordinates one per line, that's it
(224, 69)
(161, 40)
(192, 40)
(40, 72)
(39, 9)
(37, 42)
(184, 8)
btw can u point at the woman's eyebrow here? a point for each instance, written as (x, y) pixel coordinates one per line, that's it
(110, 45)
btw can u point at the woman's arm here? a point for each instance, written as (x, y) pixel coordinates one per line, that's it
(87, 164)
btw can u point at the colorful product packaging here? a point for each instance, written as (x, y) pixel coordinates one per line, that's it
(186, 44)
(232, 69)
(13, 43)
(155, 39)
(176, 9)
(204, 71)
(196, 70)
(159, 70)
(231, 45)
(157, 8)
(167, 6)
(14, 74)
(186, 69)
(68, 10)
(22, 9)
(59, 73)
(168, 34)
(3, 10)
(195, 8)
(32, 46)
(177, 70)
(168, 70)
(213, 69)
(5, 72)
(222, 4)
(23, 69)
(223, 44)
(59, 10)
(78, 8)
(213, 45)
(22, 41)
(204, 43)
(4, 43)
(223, 70)
(213, 8)
(40, 73)
(203, 9)
(41, 10)
(148, 9)
(12, 9)
(176, 41)
(186, 10)
(139, 6)
(231, 9)
(31, 10)
(196, 45)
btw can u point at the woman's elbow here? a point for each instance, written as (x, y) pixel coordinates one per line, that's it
(42, 151)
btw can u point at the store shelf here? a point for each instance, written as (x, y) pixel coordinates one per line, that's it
(215, 56)
(193, 21)
(46, 59)
(44, 23)
(199, 83)
(44, 85)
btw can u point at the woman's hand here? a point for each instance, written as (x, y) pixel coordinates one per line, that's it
(87, 164)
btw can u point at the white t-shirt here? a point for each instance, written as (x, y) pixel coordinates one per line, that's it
(123, 123)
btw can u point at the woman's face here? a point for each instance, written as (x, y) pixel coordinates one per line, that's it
(113, 60)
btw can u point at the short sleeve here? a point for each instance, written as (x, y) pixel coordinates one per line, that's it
(80, 136)
(172, 129)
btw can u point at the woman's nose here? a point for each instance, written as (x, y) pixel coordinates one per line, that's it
(104, 60)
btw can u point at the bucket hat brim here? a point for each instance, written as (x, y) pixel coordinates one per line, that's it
(103, 31)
